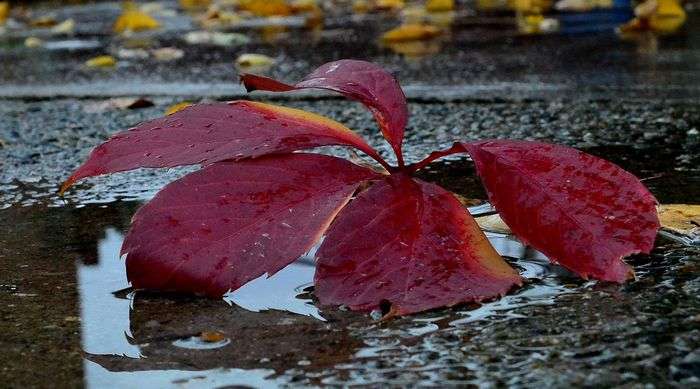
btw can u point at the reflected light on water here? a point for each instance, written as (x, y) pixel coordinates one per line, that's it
(106, 326)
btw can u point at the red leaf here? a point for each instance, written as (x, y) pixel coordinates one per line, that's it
(207, 133)
(358, 80)
(222, 226)
(581, 211)
(412, 244)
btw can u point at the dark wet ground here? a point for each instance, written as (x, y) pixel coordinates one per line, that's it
(68, 317)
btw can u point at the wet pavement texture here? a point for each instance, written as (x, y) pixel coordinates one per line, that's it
(67, 313)
(479, 57)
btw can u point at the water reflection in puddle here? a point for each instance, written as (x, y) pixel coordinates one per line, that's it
(97, 376)
(106, 322)
(105, 317)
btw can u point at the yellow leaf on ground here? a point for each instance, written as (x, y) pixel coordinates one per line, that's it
(134, 20)
(102, 61)
(298, 6)
(659, 16)
(177, 107)
(212, 336)
(439, 5)
(530, 6)
(33, 42)
(254, 61)
(360, 6)
(167, 54)
(411, 32)
(43, 22)
(65, 27)
(680, 218)
(194, 5)
(266, 7)
(493, 223)
(4, 11)
(389, 5)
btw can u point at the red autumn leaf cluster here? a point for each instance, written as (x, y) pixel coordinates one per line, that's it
(258, 204)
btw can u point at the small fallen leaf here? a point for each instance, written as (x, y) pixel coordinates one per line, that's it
(298, 6)
(215, 17)
(531, 6)
(4, 11)
(681, 219)
(212, 336)
(194, 5)
(360, 6)
(415, 49)
(659, 16)
(33, 42)
(389, 5)
(198, 37)
(101, 61)
(125, 53)
(43, 22)
(536, 24)
(229, 39)
(134, 20)
(118, 103)
(216, 38)
(254, 61)
(493, 223)
(177, 107)
(65, 27)
(411, 32)
(167, 54)
(266, 7)
(439, 5)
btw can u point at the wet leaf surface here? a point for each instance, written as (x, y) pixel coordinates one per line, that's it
(406, 246)
(359, 80)
(207, 133)
(581, 211)
(220, 227)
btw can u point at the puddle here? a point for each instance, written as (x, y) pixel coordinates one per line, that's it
(98, 377)
(271, 334)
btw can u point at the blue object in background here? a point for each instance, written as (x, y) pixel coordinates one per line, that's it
(596, 20)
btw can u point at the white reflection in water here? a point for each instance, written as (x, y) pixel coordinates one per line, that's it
(99, 377)
(105, 321)
(279, 291)
(105, 318)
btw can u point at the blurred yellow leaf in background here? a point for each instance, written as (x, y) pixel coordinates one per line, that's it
(102, 61)
(177, 107)
(4, 11)
(439, 5)
(43, 22)
(266, 7)
(411, 32)
(65, 27)
(194, 5)
(389, 5)
(133, 19)
(254, 61)
(33, 42)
